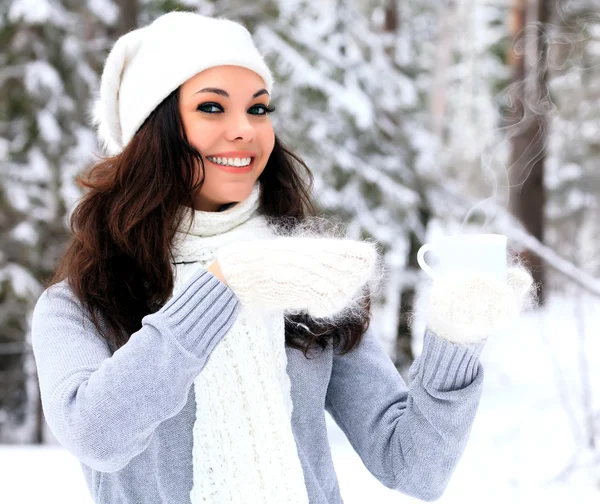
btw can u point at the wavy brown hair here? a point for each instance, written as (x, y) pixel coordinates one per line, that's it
(119, 260)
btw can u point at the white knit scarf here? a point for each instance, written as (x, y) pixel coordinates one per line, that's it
(243, 445)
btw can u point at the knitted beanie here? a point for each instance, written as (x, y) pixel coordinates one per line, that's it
(147, 64)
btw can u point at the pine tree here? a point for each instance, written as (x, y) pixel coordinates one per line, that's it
(471, 79)
(574, 146)
(50, 69)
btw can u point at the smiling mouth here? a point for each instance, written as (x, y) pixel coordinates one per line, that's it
(239, 168)
(234, 162)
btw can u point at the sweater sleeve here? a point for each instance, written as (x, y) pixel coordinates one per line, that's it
(104, 407)
(410, 438)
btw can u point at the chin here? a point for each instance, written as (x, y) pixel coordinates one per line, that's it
(235, 193)
(242, 189)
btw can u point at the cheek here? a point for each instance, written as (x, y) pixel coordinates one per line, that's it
(267, 139)
(201, 135)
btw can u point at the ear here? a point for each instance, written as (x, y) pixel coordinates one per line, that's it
(105, 115)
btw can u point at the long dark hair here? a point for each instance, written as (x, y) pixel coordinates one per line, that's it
(118, 262)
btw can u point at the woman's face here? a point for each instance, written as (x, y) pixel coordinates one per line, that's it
(224, 113)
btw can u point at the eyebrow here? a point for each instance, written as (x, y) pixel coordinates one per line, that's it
(224, 93)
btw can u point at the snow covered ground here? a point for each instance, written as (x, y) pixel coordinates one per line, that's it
(525, 434)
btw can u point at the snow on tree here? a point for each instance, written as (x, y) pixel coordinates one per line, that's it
(574, 146)
(50, 66)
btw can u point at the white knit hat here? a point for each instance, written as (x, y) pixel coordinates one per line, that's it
(147, 64)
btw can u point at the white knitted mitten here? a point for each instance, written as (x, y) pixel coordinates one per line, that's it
(468, 307)
(319, 275)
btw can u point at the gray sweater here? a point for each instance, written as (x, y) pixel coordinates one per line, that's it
(128, 415)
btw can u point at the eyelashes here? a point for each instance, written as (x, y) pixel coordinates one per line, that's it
(216, 108)
(205, 107)
(269, 109)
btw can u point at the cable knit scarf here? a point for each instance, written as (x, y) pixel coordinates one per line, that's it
(242, 438)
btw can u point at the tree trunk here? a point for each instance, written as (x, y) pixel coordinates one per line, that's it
(404, 356)
(530, 102)
(128, 15)
(39, 418)
(404, 353)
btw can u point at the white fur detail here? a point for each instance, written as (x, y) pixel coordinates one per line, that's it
(106, 110)
(466, 308)
(319, 275)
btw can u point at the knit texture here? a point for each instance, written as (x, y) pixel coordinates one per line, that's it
(243, 440)
(242, 436)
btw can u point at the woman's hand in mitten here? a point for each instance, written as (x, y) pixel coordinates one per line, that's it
(319, 275)
(469, 307)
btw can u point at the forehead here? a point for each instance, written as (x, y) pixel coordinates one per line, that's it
(227, 77)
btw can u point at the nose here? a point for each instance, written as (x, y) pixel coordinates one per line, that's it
(239, 128)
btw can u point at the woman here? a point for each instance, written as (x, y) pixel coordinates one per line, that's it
(198, 326)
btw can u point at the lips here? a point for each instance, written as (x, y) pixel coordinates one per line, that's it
(234, 154)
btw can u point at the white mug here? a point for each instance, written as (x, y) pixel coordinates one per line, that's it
(467, 253)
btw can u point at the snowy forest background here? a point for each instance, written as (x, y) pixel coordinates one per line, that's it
(417, 118)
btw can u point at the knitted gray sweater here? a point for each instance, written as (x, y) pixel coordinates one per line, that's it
(128, 415)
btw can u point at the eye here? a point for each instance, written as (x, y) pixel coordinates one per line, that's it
(209, 108)
(261, 109)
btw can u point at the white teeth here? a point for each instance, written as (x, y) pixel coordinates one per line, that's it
(230, 161)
